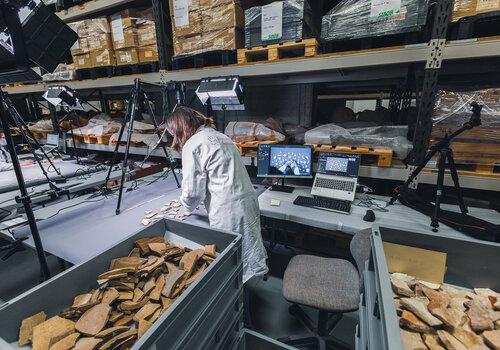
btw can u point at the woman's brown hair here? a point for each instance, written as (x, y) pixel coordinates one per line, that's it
(183, 123)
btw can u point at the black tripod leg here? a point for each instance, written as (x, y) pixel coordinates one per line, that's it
(158, 133)
(454, 176)
(24, 193)
(133, 109)
(439, 189)
(413, 175)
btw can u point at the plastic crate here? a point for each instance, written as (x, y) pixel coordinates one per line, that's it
(470, 263)
(175, 327)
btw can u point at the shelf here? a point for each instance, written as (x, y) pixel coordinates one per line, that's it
(88, 8)
(311, 69)
(141, 151)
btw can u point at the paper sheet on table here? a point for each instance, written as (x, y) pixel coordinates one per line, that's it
(426, 265)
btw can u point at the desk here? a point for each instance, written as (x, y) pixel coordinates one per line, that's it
(77, 235)
(397, 215)
(33, 174)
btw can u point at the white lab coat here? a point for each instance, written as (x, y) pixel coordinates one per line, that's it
(212, 171)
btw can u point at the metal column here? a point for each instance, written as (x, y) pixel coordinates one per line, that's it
(161, 14)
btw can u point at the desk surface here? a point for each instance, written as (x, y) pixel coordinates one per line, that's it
(80, 234)
(397, 215)
(33, 174)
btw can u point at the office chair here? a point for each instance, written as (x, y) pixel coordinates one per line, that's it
(332, 286)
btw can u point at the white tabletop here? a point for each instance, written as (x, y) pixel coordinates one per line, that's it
(397, 214)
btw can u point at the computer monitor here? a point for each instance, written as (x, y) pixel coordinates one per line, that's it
(284, 161)
(338, 164)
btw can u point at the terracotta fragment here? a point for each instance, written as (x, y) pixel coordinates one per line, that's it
(449, 341)
(143, 327)
(158, 248)
(155, 316)
(87, 344)
(492, 338)
(109, 296)
(159, 284)
(135, 252)
(149, 286)
(438, 297)
(93, 320)
(432, 342)
(126, 261)
(480, 317)
(146, 311)
(66, 343)
(124, 320)
(125, 295)
(210, 250)
(171, 282)
(420, 310)
(143, 243)
(411, 322)
(116, 273)
(113, 342)
(130, 305)
(82, 299)
(27, 325)
(189, 260)
(447, 316)
(109, 331)
(467, 338)
(166, 302)
(412, 341)
(138, 294)
(197, 274)
(400, 287)
(51, 331)
(114, 316)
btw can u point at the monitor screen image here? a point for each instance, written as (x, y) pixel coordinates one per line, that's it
(337, 164)
(290, 161)
(284, 161)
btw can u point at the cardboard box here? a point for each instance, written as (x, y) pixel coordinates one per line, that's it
(187, 45)
(191, 26)
(148, 53)
(82, 61)
(124, 29)
(468, 8)
(99, 41)
(146, 34)
(127, 56)
(204, 4)
(222, 17)
(103, 58)
(225, 39)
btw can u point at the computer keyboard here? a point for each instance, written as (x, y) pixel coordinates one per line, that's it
(331, 204)
(335, 184)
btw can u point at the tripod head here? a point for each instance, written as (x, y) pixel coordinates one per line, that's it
(475, 119)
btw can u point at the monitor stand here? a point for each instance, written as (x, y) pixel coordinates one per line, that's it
(282, 187)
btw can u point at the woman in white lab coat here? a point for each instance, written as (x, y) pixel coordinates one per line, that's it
(212, 171)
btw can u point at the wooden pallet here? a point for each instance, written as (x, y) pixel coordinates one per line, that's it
(274, 52)
(39, 135)
(480, 158)
(383, 154)
(249, 148)
(101, 139)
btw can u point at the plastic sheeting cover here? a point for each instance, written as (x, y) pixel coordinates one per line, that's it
(249, 131)
(366, 18)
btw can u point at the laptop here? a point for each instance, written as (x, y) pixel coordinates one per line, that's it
(337, 176)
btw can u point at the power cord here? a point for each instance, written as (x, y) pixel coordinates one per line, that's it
(370, 202)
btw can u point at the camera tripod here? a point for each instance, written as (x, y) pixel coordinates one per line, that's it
(134, 106)
(445, 159)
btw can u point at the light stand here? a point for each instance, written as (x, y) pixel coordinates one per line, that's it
(445, 157)
(137, 95)
(23, 198)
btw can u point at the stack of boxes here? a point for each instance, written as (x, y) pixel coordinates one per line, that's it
(127, 37)
(94, 47)
(467, 8)
(206, 25)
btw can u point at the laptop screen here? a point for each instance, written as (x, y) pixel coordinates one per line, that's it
(339, 164)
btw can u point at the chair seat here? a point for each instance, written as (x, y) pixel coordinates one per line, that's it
(322, 283)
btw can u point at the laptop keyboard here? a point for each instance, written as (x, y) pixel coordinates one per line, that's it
(339, 185)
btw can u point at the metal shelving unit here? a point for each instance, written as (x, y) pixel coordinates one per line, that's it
(141, 151)
(89, 8)
(310, 69)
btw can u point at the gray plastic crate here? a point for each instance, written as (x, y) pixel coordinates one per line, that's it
(470, 263)
(176, 325)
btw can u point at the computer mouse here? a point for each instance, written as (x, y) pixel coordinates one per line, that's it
(369, 216)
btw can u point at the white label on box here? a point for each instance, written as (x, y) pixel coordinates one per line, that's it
(117, 28)
(81, 61)
(181, 13)
(381, 9)
(272, 21)
(99, 58)
(487, 5)
(148, 54)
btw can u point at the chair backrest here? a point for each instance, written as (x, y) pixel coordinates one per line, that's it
(360, 250)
